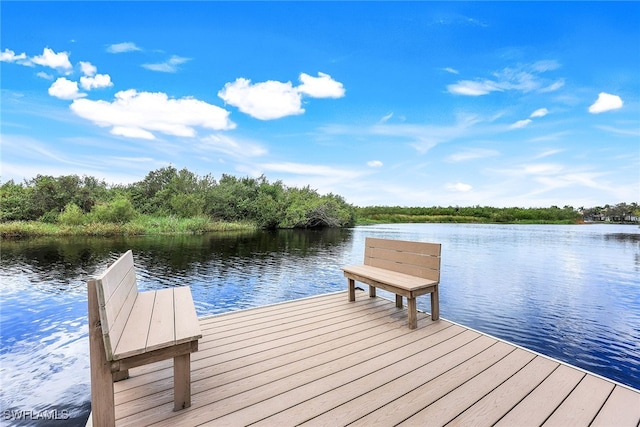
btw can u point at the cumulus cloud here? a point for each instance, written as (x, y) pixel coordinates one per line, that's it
(65, 89)
(10, 56)
(459, 186)
(273, 99)
(322, 86)
(51, 59)
(139, 114)
(374, 164)
(606, 102)
(122, 47)
(265, 101)
(96, 82)
(87, 68)
(169, 66)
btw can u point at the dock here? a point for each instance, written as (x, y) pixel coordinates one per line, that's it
(325, 361)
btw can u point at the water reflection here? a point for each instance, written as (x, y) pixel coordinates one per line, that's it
(571, 292)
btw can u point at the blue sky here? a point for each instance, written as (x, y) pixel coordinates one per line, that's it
(385, 103)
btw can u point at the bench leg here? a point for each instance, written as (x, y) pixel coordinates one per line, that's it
(352, 289)
(102, 398)
(435, 305)
(413, 313)
(398, 301)
(182, 382)
(372, 291)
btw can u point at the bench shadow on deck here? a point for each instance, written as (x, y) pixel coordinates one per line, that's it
(325, 361)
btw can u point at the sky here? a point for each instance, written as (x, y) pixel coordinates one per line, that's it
(528, 104)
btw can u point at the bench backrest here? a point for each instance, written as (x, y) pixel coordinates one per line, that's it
(117, 291)
(414, 258)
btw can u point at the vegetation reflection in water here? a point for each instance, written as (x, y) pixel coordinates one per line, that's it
(571, 292)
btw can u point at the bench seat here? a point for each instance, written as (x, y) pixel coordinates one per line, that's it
(408, 269)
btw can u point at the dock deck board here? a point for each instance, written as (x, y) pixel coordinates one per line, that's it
(324, 361)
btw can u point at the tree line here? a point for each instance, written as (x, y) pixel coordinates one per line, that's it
(167, 192)
(486, 214)
(75, 200)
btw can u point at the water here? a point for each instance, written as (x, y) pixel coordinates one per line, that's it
(570, 292)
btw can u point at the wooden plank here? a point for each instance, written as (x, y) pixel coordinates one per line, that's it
(430, 392)
(583, 404)
(187, 325)
(134, 336)
(448, 407)
(536, 407)
(113, 275)
(329, 408)
(113, 328)
(308, 384)
(493, 406)
(622, 408)
(403, 258)
(396, 279)
(162, 326)
(404, 245)
(376, 393)
(342, 364)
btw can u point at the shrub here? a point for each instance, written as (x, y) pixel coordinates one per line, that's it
(72, 215)
(119, 211)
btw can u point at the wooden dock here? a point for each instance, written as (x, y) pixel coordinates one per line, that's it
(324, 361)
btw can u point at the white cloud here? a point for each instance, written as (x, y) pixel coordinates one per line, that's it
(65, 89)
(87, 68)
(265, 101)
(540, 112)
(606, 102)
(132, 132)
(386, 118)
(553, 86)
(140, 114)
(122, 47)
(451, 70)
(273, 99)
(309, 169)
(524, 78)
(169, 66)
(322, 86)
(96, 82)
(10, 56)
(58, 61)
(520, 124)
(232, 146)
(459, 186)
(473, 88)
(375, 164)
(472, 154)
(44, 75)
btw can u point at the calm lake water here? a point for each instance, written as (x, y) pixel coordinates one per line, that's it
(570, 292)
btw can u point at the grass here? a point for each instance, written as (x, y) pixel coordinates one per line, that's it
(142, 225)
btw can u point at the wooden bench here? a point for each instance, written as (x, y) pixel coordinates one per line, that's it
(408, 269)
(128, 328)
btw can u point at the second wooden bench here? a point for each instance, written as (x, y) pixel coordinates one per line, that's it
(128, 328)
(408, 269)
